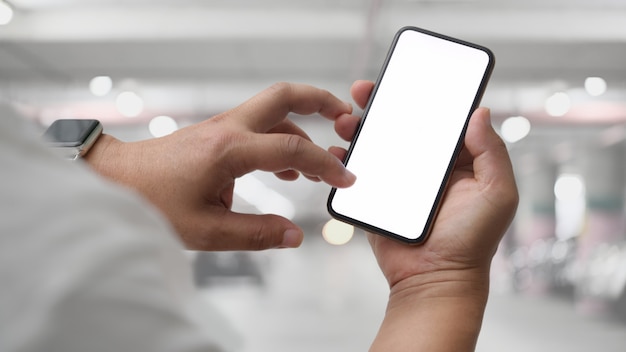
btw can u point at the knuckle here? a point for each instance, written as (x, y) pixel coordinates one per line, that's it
(218, 118)
(326, 95)
(281, 89)
(223, 149)
(260, 239)
(293, 146)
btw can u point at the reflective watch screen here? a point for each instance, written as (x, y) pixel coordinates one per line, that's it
(412, 129)
(69, 133)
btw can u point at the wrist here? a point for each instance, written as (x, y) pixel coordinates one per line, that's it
(439, 311)
(104, 155)
(461, 284)
(463, 294)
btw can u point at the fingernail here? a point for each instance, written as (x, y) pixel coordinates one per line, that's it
(350, 108)
(292, 238)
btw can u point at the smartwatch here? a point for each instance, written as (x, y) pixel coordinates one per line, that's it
(72, 138)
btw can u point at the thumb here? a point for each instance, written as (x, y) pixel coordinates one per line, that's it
(491, 158)
(481, 137)
(492, 170)
(235, 231)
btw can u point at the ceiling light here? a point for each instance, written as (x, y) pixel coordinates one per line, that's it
(337, 233)
(129, 104)
(6, 13)
(569, 187)
(162, 126)
(558, 104)
(100, 85)
(515, 128)
(595, 86)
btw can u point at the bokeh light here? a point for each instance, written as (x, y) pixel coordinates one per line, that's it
(558, 104)
(515, 128)
(100, 85)
(595, 86)
(162, 126)
(6, 13)
(569, 187)
(337, 233)
(129, 104)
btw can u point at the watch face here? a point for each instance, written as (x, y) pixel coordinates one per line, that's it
(69, 133)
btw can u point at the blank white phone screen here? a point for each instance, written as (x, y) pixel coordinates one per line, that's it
(410, 132)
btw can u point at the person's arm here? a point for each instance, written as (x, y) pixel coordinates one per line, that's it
(439, 290)
(434, 316)
(190, 174)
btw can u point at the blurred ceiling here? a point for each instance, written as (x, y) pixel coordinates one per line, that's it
(206, 56)
(191, 59)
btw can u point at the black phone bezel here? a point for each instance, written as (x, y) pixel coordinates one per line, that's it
(437, 202)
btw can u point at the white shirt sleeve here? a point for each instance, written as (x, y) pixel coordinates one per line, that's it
(89, 266)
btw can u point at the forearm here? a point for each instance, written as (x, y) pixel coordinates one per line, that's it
(434, 316)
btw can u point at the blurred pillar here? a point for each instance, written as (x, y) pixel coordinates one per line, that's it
(603, 171)
(535, 222)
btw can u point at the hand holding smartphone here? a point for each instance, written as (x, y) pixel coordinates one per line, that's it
(411, 133)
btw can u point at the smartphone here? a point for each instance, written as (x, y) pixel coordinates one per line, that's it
(411, 133)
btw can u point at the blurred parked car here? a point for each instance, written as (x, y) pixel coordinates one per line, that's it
(210, 267)
(603, 276)
(546, 265)
(561, 266)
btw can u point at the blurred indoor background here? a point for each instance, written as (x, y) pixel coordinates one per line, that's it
(558, 97)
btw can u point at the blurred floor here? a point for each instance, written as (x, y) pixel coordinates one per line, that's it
(316, 298)
(327, 298)
(541, 323)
